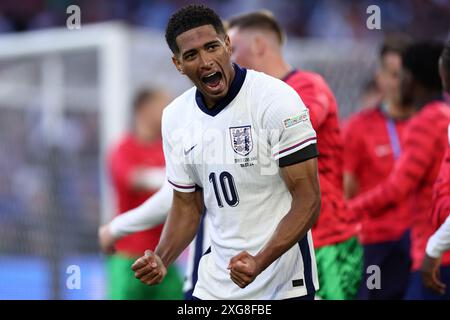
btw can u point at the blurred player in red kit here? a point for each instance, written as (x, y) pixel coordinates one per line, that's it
(137, 170)
(373, 143)
(415, 171)
(256, 40)
(439, 242)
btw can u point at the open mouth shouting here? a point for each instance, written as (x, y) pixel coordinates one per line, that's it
(213, 82)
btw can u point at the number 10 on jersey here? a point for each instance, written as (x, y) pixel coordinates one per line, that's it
(227, 189)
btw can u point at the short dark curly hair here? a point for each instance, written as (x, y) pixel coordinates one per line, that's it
(190, 17)
(422, 60)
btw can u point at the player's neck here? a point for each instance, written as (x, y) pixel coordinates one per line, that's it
(276, 67)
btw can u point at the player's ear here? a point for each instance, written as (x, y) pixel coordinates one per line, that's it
(177, 64)
(228, 44)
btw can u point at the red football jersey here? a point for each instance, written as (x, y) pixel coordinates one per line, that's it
(413, 175)
(334, 224)
(441, 191)
(127, 156)
(371, 149)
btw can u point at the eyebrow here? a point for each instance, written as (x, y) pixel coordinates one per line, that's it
(210, 43)
(189, 51)
(205, 45)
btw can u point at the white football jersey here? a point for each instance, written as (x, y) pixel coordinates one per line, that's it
(197, 249)
(233, 152)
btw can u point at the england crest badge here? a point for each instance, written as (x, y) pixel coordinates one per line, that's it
(241, 139)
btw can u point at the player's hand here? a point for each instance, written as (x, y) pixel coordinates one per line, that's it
(149, 268)
(431, 275)
(106, 239)
(243, 269)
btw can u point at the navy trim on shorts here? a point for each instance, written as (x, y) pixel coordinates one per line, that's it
(198, 249)
(307, 264)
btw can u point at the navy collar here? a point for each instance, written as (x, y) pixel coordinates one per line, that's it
(233, 91)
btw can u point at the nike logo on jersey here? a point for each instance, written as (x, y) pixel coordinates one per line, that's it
(189, 150)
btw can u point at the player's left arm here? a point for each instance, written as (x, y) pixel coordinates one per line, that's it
(293, 145)
(303, 183)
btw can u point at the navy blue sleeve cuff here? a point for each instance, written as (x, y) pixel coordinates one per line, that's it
(301, 155)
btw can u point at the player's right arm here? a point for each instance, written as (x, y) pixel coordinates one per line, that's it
(179, 231)
(187, 207)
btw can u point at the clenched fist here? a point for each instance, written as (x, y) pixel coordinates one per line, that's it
(243, 269)
(149, 269)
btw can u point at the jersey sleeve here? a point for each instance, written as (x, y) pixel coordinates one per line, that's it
(176, 169)
(292, 138)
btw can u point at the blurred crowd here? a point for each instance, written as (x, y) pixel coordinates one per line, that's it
(301, 18)
(42, 179)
